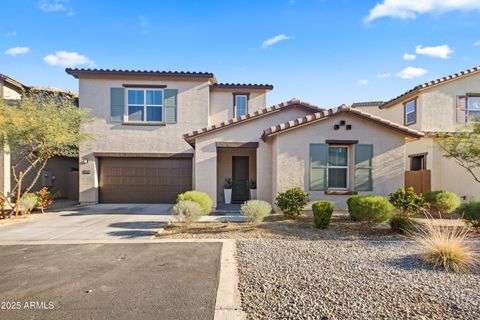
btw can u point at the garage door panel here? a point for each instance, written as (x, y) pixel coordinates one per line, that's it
(143, 180)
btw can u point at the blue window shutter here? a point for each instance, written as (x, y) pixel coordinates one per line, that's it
(117, 104)
(363, 167)
(318, 166)
(170, 105)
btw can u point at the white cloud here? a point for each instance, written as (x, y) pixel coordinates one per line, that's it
(362, 82)
(68, 59)
(442, 52)
(476, 43)
(409, 9)
(384, 75)
(55, 6)
(411, 72)
(270, 42)
(17, 50)
(409, 56)
(11, 34)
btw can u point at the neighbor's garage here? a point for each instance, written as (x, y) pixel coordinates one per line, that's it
(143, 180)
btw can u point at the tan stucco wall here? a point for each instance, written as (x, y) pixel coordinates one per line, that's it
(221, 104)
(249, 131)
(10, 93)
(292, 150)
(224, 166)
(193, 99)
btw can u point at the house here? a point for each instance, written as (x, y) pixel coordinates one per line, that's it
(160, 133)
(446, 104)
(61, 173)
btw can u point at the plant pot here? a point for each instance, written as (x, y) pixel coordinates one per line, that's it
(253, 194)
(228, 195)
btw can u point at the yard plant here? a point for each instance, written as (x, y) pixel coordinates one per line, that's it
(202, 198)
(402, 223)
(322, 214)
(470, 212)
(370, 210)
(27, 202)
(442, 201)
(187, 211)
(256, 210)
(292, 201)
(407, 201)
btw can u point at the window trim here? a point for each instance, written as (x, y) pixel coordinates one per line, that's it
(145, 121)
(467, 110)
(405, 112)
(247, 95)
(347, 187)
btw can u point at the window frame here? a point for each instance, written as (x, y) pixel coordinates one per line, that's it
(405, 113)
(467, 110)
(144, 105)
(247, 98)
(347, 167)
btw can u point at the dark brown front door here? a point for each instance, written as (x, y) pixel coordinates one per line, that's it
(143, 180)
(240, 179)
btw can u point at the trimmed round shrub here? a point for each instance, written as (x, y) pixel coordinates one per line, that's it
(322, 214)
(402, 223)
(371, 210)
(470, 212)
(256, 210)
(408, 201)
(187, 211)
(202, 198)
(292, 201)
(443, 201)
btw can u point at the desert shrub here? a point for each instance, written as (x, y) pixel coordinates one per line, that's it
(187, 211)
(202, 198)
(445, 247)
(322, 214)
(408, 201)
(470, 212)
(292, 201)
(402, 223)
(27, 202)
(371, 210)
(351, 203)
(256, 210)
(443, 201)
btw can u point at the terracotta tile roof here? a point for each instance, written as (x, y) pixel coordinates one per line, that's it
(429, 84)
(311, 118)
(367, 104)
(242, 86)
(77, 72)
(189, 137)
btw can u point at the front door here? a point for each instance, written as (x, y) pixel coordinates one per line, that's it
(240, 179)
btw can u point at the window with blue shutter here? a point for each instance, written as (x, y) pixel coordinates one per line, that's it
(116, 104)
(363, 167)
(318, 166)
(171, 105)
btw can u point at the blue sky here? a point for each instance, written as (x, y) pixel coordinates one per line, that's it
(326, 52)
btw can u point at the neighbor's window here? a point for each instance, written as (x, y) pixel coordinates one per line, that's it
(418, 162)
(411, 112)
(241, 101)
(328, 167)
(145, 105)
(473, 109)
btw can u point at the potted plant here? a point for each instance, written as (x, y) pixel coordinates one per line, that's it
(227, 191)
(253, 189)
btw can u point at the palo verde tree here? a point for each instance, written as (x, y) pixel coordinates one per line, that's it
(36, 130)
(464, 148)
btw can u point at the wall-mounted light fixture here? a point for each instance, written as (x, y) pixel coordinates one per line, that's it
(84, 161)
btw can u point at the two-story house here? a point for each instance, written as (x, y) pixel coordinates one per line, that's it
(446, 104)
(160, 133)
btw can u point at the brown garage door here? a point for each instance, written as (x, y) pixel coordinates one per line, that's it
(144, 180)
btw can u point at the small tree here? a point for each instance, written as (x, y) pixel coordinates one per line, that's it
(464, 147)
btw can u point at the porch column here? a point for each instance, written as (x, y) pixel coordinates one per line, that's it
(206, 168)
(4, 170)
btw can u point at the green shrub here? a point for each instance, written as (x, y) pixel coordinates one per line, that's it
(292, 201)
(27, 202)
(201, 198)
(402, 223)
(187, 211)
(470, 212)
(443, 201)
(256, 210)
(408, 201)
(370, 209)
(322, 214)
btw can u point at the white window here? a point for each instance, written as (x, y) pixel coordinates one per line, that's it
(410, 112)
(241, 105)
(337, 167)
(145, 105)
(473, 109)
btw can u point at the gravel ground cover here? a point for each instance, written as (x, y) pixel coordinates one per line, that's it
(345, 279)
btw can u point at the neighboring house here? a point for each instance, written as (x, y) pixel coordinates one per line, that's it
(60, 173)
(159, 133)
(446, 104)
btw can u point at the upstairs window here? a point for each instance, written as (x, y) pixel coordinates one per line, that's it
(145, 105)
(473, 109)
(410, 112)
(241, 105)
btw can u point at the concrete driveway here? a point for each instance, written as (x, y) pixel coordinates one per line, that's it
(93, 222)
(110, 281)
